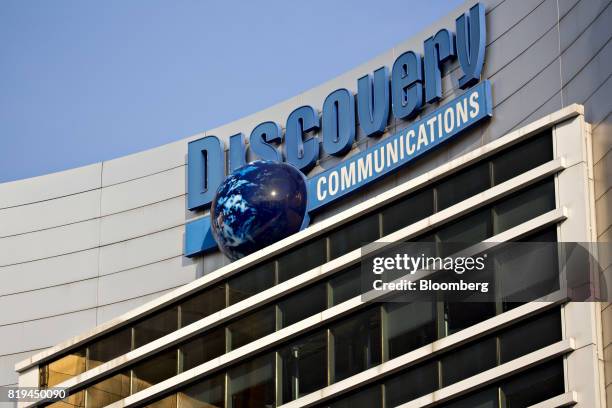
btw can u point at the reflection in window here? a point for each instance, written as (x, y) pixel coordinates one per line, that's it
(354, 235)
(303, 366)
(110, 347)
(109, 390)
(154, 370)
(407, 210)
(411, 384)
(409, 326)
(155, 326)
(209, 393)
(63, 368)
(202, 304)
(252, 327)
(203, 348)
(251, 384)
(356, 343)
(469, 230)
(468, 361)
(461, 315)
(303, 304)
(251, 282)
(74, 400)
(302, 259)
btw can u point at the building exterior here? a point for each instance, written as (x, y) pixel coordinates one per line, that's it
(97, 294)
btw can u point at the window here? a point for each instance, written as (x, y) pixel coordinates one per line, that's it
(474, 228)
(523, 157)
(155, 326)
(468, 361)
(462, 185)
(209, 393)
(409, 326)
(252, 383)
(302, 259)
(202, 304)
(354, 235)
(531, 335)
(346, 285)
(109, 390)
(75, 400)
(303, 304)
(64, 368)
(204, 348)
(533, 386)
(488, 398)
(411, 384)
(251, 282)
(155, 370)
(369, 397)
(252, 327)
(460, 315)
(524, 206)
(407, 210)
(356, 343)
(303, 365)
(109, 347)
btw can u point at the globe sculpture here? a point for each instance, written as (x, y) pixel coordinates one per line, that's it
(257, 205)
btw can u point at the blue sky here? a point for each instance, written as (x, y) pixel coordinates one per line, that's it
(85, 81)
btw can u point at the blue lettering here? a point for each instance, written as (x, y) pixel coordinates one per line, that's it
(338, 122)
(260, 139)
(303, 154)
(471, 41)
(373, 102)
(205, 171)
(407, 85)
(438, 49)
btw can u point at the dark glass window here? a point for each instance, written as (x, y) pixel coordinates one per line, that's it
(64, 368)
(205, 347)
(527, 272)
(252, 327)
(534, 386)
(468, 361)
(154, 370)
(460, 315)
(202, 304)
(109, 390)
(356, 344)
(409, 326)
(523, 157)
(471, 229)
(251, 282)
(524, 206)
(370, 397)
(209, 393)
(354, 235)
(303, 365)
(462, 185)
(155, 326)
(109, 347)
(302, 259)
(252, 383)
(345, 285)
(530, 336)
(411, 384)
(487, 398)
(303, 304)
(167, 402)
(408, 210)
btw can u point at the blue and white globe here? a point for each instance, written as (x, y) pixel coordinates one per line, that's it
(257, 205)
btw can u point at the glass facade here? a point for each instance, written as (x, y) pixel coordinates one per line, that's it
(362, 339)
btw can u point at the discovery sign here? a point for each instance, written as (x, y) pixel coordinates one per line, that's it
(414, 81)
